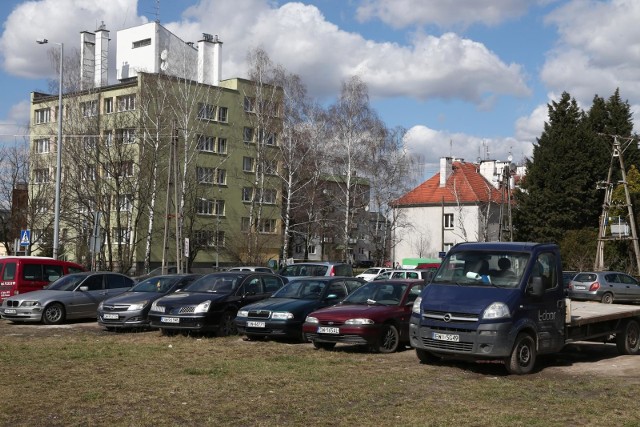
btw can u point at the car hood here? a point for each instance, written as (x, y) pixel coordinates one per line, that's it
(292, 305)
(190, 298)
(42, 295)
(133, 297)
(342, 312)
(465, 298)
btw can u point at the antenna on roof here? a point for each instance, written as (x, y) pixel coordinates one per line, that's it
(157, 12)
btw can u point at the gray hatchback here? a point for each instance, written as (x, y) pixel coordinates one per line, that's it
(604, 286)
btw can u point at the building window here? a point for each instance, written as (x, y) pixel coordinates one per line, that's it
(267, 138)
(247, 194)
(89, 173)
(222, 114)
(204, 175)
(298, 249)
(89, 108)
(249, 104)
(42, 146)
(124, 203)
(41, 176)
(245, 225)
(206, 111)
(269, 196)
(247, 164)
(42, 115)
(267, 226)
(247, 134)
(311, 250)
(89, 142)
(126, 102)
(141, 43)
(120, 235)
(205, 143)
(448, 221)
(210, 207)
(108, 105)
(222, 146)
(271, 167)
(108, 137)
(124, 168)
(126, 136)
(221, 177)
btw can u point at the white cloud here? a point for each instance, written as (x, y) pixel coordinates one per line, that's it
(530, 128)
(15, 128)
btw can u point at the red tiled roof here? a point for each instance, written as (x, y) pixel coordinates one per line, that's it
(465, 185)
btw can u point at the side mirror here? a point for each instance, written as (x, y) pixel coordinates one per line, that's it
(84, 288)
(332, 296)
(536, 288)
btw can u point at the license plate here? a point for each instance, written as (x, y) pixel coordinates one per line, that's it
(328, 330)
(110, 316)
(170, 319)
(580, 287)
(9, 311)
(252, 324)
(446, 337)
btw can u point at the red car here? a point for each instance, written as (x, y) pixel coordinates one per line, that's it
(375, 315)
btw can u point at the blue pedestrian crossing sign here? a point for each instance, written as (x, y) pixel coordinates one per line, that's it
(25, 237)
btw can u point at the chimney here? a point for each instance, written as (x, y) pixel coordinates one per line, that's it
(446, 168)
(209, 67)
(87, 59)
(101, 56)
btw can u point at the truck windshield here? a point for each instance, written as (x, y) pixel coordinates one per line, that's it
(482, 268)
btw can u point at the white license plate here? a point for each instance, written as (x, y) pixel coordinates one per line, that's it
(170, 319)
(252, 324)
(110, 316)
(580, 287)
(446, 337)
(328, 330)
(9, 311)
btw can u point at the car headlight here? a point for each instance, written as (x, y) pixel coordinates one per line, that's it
(158, 308)
(497, 310)
(138, 306)
(416, 305)
(30, 304)
(243, 313)
(311, 319)
(203, 307)
(281, 315)
(359, 321)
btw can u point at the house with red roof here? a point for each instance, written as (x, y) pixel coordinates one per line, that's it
(464, 202)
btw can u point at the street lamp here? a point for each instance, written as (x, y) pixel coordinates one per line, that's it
(56, 220)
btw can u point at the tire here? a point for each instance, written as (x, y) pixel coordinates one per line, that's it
(53, 314)
(425, 357)
(628, 342)
(324, 345)
(523, 355)
(227, 325)
(388, 341)
(607, 298)
(303, 337)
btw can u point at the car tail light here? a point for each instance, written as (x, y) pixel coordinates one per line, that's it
(332, 272)
(594, 286)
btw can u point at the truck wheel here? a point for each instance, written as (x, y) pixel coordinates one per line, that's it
(426, 357)
(523, 355)
(628, 342)
(607, 298)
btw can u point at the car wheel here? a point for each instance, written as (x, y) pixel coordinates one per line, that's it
(389, 340)
(324, 345)
(303, 337)
(628, 342)
(523, 355)
(227, 325)
(425, 357)
(607, 298)
(53, 314)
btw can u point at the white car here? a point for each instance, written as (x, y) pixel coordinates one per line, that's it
(370, 273)
(425, 275)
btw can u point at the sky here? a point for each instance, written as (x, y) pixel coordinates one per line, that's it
(470, 79)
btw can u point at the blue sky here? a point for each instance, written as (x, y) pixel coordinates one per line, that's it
(468, 78)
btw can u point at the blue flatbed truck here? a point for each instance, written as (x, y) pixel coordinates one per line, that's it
(506, 302)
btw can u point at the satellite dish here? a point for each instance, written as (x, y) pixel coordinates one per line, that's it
(510, 158)
(164, 54)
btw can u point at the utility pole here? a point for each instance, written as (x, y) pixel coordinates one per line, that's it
(618, 148)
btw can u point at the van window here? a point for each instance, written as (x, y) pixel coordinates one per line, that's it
(32, 272)
(52, 272)
(9, 272)
(74, 270)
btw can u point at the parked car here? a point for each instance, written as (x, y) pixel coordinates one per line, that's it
(21, 274)
(425, 275)
(74, 296)
(375, 315)
(130, 309)
(282, 315)
(170, 269)
(309, 269)
(604, 286)
(210, 303)
(251, 268)
(370, 273)
(567, 276)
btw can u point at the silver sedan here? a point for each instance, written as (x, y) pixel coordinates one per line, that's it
(604, 286)
(75, 296)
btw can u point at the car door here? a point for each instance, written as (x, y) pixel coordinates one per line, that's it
(252, 290)
(406, 305)
(85, 298)
(614, 284)
(631, 287)
(115, 284)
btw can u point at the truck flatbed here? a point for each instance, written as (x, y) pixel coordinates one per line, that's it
(584, 312)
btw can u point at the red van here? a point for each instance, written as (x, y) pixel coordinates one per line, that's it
(20, 274)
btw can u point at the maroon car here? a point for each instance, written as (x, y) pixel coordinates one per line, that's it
(375, 315)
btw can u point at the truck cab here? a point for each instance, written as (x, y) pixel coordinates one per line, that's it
(492, 301)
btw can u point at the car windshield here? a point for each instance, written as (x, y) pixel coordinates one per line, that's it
(223, 284)
(297, 270)
(66, 283)
(377, 293)
(482, 268)
(302, 289)
(154, 284)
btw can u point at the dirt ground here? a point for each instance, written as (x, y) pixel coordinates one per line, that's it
(584, 359)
